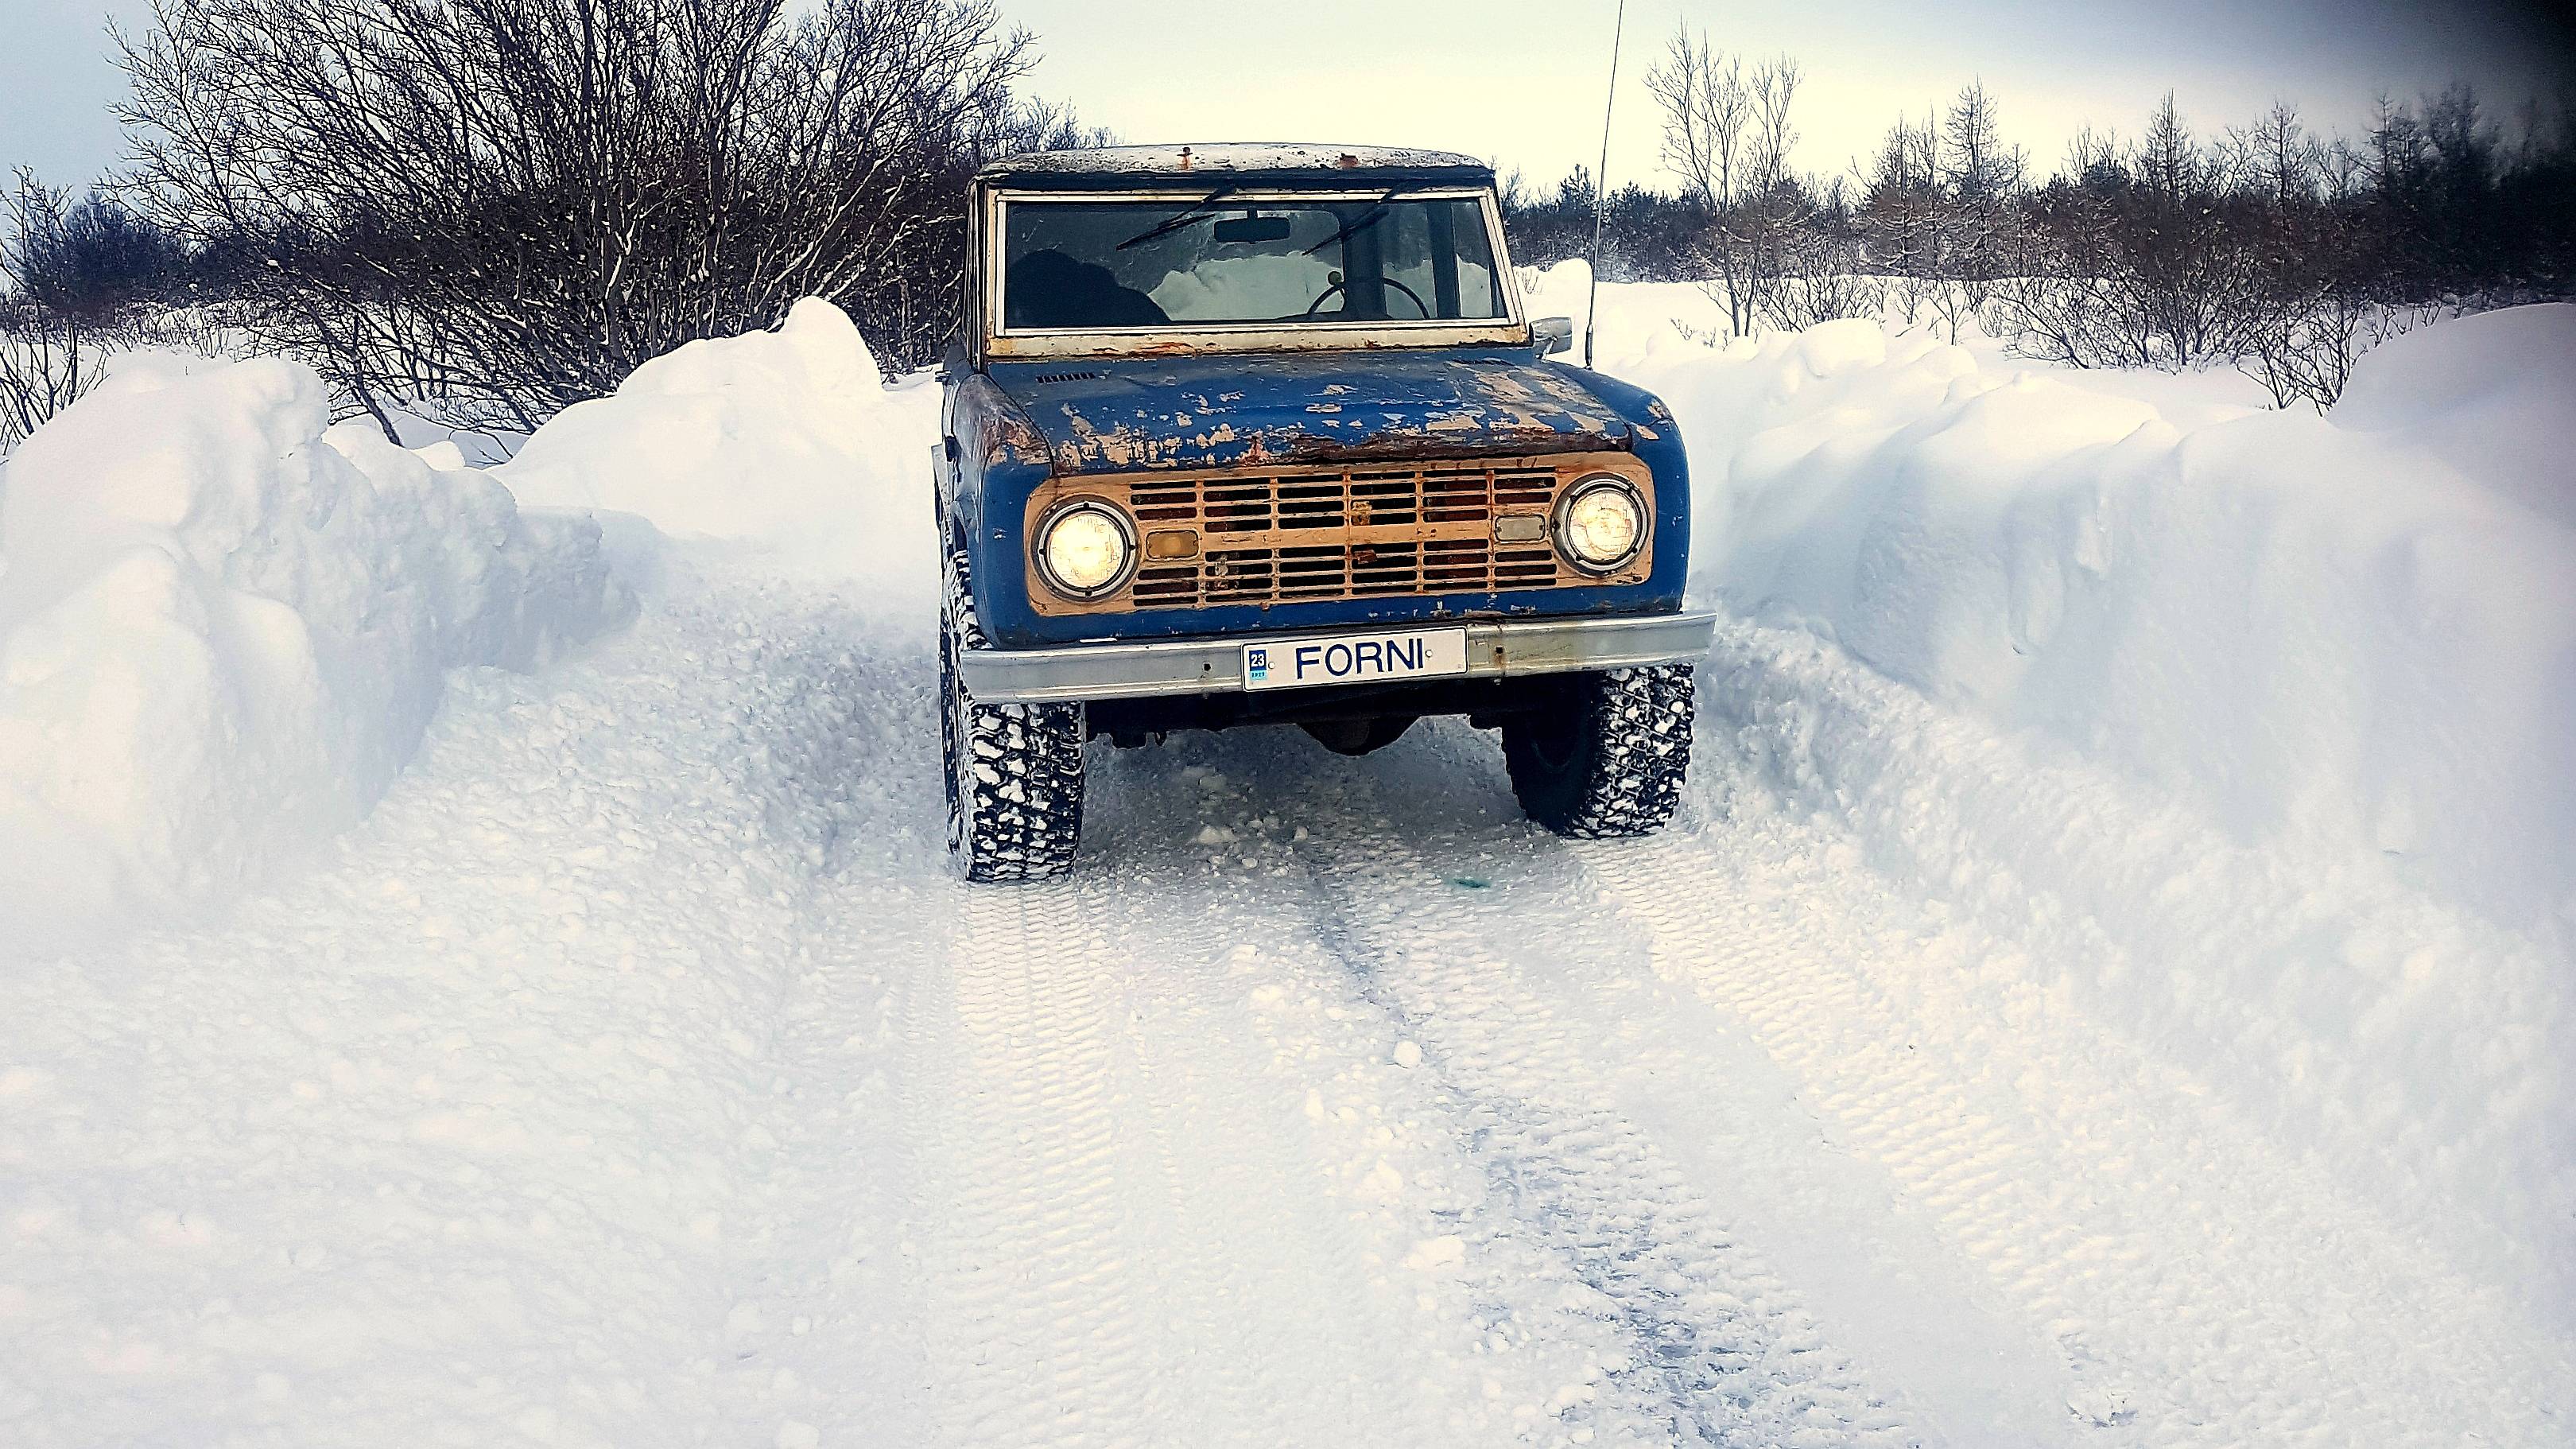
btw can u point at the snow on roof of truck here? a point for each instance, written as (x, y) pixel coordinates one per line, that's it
(1237, 163)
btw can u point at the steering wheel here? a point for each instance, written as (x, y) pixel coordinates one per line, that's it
(1382, 283)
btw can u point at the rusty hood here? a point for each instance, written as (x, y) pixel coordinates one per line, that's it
(1125, 414)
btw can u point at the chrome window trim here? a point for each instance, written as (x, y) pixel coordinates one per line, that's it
(1511, 330)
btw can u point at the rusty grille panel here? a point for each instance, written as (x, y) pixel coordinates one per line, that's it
(1371, 531)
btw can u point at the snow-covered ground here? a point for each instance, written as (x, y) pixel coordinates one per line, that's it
(2109, 985)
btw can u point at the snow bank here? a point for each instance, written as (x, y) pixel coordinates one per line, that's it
(224, 625)
(789, 440)
(2328, 632)
(2283, 705)
(2487, 395)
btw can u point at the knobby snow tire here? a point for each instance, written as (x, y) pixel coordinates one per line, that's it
(1609, 763)
(1014, 771)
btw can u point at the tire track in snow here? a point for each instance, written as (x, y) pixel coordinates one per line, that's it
(821, 1334)
(1722, 1352)
(2203, 1290)
(1134, 1233)
(1041, 1342)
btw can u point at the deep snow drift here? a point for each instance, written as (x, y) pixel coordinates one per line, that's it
(224, 625)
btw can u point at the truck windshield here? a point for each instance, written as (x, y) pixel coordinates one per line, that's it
(1220, 260)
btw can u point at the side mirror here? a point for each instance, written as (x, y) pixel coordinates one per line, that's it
(1552, 335)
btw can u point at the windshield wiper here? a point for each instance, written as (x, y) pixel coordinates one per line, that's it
(1376, 213)
(1198, 212)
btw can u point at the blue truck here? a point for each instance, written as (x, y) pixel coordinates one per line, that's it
(1261, 435)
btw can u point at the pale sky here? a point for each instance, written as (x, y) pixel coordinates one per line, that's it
(1521, 82)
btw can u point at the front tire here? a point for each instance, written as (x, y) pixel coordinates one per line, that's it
(1608, 761)
(1014, 771)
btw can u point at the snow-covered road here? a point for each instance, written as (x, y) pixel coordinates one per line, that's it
(637, 1075)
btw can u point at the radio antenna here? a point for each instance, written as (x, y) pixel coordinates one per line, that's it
(1601, 187)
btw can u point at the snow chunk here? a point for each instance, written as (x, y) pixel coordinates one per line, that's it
(224, 625)
(1835, 348)
(1433, 1255)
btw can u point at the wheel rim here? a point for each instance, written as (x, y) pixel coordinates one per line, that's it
(1554, 743)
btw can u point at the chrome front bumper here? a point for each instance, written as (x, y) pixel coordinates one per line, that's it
(1496, 649)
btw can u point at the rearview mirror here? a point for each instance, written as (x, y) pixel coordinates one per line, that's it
(1552, 335)
(1247, 229)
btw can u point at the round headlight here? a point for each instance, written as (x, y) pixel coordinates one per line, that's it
(1602, 524)
(1086, 549)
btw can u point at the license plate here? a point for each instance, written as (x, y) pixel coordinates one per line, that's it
(1354, 659)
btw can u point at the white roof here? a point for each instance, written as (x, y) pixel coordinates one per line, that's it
(1228, 160)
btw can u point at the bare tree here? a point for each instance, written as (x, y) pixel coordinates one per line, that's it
(505, 205)
(1727, 133)
(1899, 214)
(1980, 181)
(2281, 160)
(1706, 107)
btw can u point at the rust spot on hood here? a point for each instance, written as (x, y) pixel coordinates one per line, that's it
(1216, 412)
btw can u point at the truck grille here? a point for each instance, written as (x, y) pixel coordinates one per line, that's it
(1362, 532)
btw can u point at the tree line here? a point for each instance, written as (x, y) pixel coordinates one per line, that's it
(490, 209)
(2270, 246)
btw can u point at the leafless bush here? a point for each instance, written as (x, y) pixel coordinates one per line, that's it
(1824, 276)
(45, 366)
(47, 358)
(1822, 286)
(2305, 352)
(504, 206)
(2147, 256)
(2077, 321)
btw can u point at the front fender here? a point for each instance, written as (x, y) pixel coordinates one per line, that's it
(1657, 440)
(996, 459)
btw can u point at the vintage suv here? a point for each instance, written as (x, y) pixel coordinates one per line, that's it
(1243, 435)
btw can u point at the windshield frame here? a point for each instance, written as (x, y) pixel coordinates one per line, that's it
(1511, 329)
